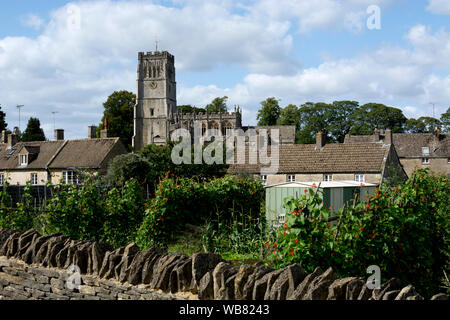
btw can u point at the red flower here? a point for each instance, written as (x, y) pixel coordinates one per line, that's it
(330, 208)
(296, 241)
(285, 226)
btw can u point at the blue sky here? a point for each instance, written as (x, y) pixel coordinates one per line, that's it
(68, 56)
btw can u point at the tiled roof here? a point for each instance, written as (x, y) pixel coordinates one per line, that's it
(287, 133)
(10, 160)
(332, 158)
(409, 145)
(84, 153)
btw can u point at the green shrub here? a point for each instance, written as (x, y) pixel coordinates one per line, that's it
(404, 230)
(181, 201)
(77, 211)
(20, 218)
(124, 210)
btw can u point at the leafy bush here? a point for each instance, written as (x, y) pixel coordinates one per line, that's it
(77, 211)
(181, 201)
(124, 210)
(21, 218)
(90, 212)
(128, 166)
(404, 230)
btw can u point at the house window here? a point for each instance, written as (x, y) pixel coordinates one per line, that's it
(290, 178)
(34, 179)
(68, 177)
(23, 160)
(2, 179)
(263, 178)
(359, 177)
(327, 177)
(425, 150)
(448, 160)
(425, 160)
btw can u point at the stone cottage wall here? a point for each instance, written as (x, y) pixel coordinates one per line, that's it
(33, 266)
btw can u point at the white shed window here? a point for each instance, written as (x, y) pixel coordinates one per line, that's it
(290, 178)
(425, 160)
(425, 150)
(327, 177)
(263, 178)
(359, 177)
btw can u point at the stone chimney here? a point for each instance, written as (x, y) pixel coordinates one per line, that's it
(388, 136)
(104, 134)
(5, 136)
(376, 135)
(320, 140)
(13, 138)
(59, 134)
(92, 132)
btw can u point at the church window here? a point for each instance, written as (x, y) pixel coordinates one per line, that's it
(152, 112)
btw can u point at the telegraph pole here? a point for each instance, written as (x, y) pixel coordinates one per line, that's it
(19, 107)
(54, 122)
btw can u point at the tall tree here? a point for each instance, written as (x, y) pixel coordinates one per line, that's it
(289, 116)
(3, 124)
(314, 118)
(422, 125)
(218, 105)
(374, 115)
(338, 119)
(119, 113)
(445, 121)
(33, 132)
(269, 113)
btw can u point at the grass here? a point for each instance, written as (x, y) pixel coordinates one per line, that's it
(189, 241)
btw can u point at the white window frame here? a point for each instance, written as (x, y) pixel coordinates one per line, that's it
(290, 178)
(425, 160)
(34, 179)
(263, 178)
(426, 150)
(327, 177)
(23, 159)
(360, 177)
(68, 176)
(2, 179)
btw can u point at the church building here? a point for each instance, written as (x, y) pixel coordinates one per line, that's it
(156, 114)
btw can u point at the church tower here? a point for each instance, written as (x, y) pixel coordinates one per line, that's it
(156, 99)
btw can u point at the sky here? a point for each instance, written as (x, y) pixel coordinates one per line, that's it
(62, 59)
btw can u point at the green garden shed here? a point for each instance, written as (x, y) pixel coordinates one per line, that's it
(335, 193)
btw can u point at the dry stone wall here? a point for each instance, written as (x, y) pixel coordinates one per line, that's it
(33, 266)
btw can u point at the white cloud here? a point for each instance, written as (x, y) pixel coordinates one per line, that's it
(439, 6)
(88, 49)
(388, 75)
(32, 20)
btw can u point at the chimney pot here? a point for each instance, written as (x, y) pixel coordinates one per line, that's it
(320, 140)
(13, 138)
(388, 136)
(376, 135)
(92, 132)
(59, 134)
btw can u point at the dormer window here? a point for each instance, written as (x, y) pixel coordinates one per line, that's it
(425, 150)
(23, 160)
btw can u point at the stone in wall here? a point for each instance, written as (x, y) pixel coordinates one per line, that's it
(34, 267)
